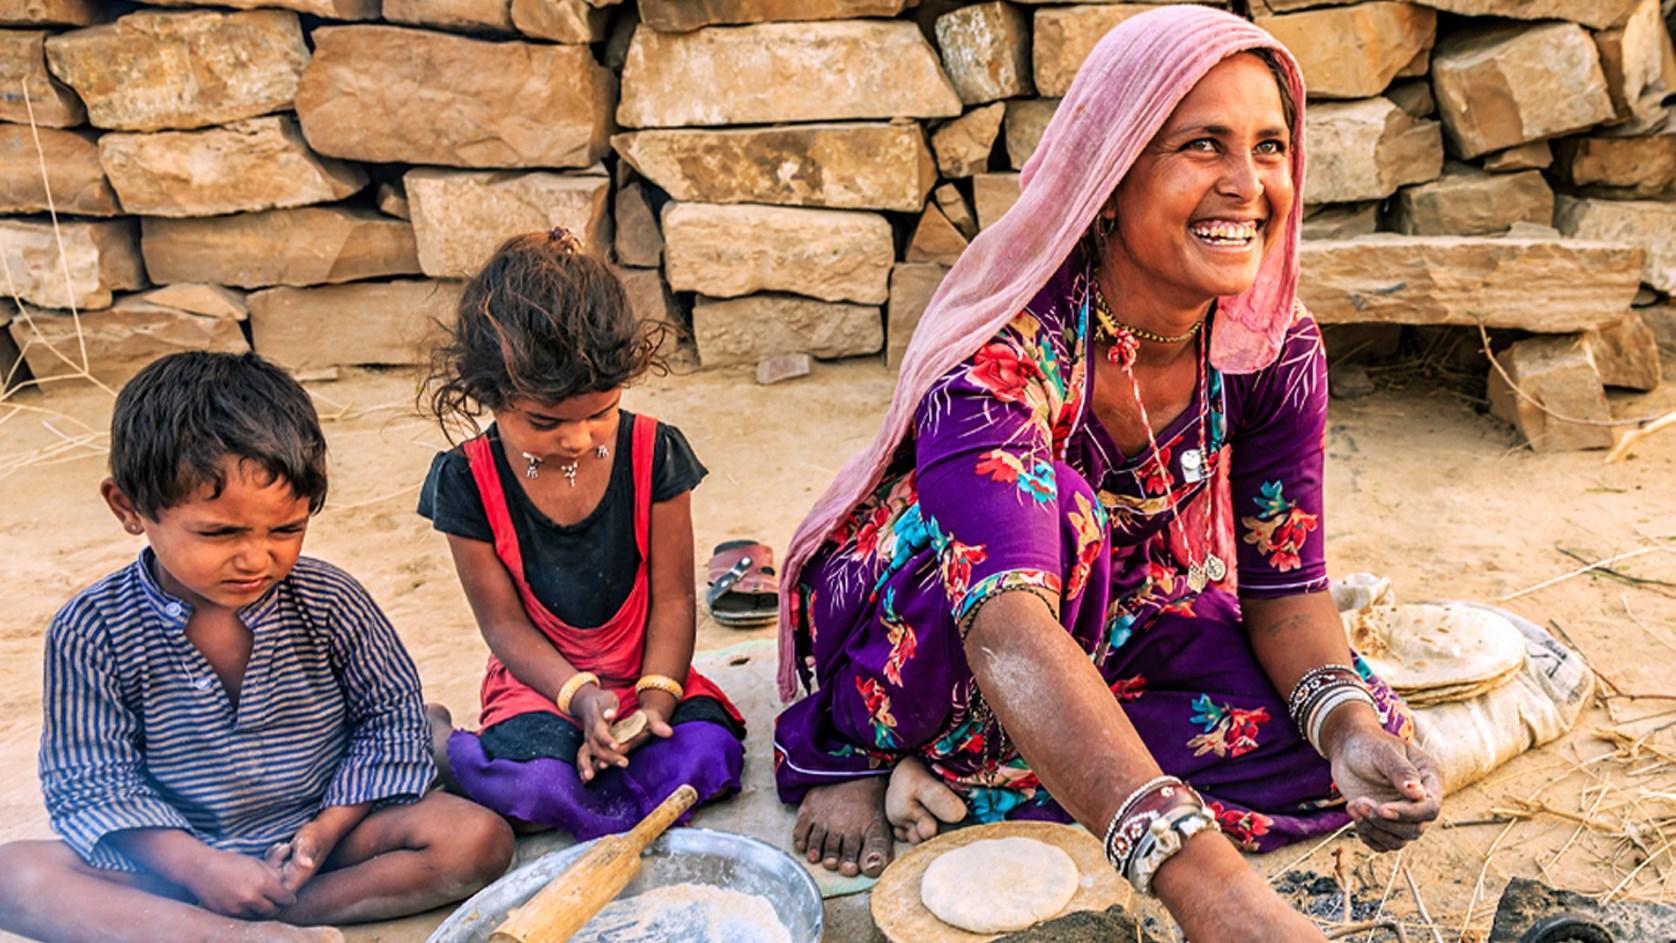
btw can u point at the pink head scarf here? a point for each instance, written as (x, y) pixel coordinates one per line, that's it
(1121, 97)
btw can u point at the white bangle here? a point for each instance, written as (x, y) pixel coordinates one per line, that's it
(1164, 837)
(1334, 701)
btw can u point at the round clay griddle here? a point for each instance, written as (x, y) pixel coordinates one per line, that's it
(901, 917)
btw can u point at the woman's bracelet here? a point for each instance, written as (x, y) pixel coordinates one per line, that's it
(1332, 701)
(663, 683)
(1151, 825)
(1313, 684)
(1165, 836)
(568, 690)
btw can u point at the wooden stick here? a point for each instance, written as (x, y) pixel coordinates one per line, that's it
(570, 900)
(1629, 440)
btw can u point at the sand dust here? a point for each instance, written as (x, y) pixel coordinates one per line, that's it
(686, 913)
(1420, 488)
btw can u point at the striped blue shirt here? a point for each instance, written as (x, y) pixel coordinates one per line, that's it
(140, 733)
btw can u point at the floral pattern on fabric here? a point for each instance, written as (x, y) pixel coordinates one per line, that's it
(1280, 527)
(1242, 826)
(1034, 482)
(1089, 522)
(903, 641)
(877, 702)
(1044, 584)
(1130, 688)
(1227, 731)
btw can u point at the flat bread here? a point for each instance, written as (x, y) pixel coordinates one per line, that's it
(1431, 653)
(998, 885)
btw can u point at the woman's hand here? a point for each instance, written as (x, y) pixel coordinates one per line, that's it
(1391, 787)
(595, 709)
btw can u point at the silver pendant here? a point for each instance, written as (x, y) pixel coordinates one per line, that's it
(1196, 577)
(1215, 570)
(532, 466)
(569, 472)
(1192, 465)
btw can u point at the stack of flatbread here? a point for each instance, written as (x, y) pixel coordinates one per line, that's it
(1433, 654)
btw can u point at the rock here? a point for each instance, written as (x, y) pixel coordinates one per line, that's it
(311, 245)
(1542, 285)
(119, 343)
(209, 300)
(1644, 223)
(28, 85)
(649, 297)
(560, 21)
(1661, 320)
(1414, 97)
(1365, 150)
(746, 330)
(1270, 7)
(467, 15)
(1026, 122)
(13, 371)
(842, 166)
(1622, 166)
(955, 207)
(329, 9)
(1418, 67)
(1559, 373)
(304, 329)
(1341, 221)
(1064, 36)
(638, 239)
(73, 173)
(1355, 51)
(1632, 58)
(782, 367)
(986, 51)
(392, 201)
(911, 287)
(256, 164)
(1533, 156)
(158, 69)
(1469, 202)
(395, 95)
(935, 239)
(1499, 86)
(1595, 14)
(1626, 354)
(963, 145)
(53, 12)
(680, 16)
(728, 251)
(99, 259)
(994, 195)
(460, 217)
(822, 72)
(1349, 381)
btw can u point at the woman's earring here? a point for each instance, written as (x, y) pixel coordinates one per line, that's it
(134, 529)
(602, 452)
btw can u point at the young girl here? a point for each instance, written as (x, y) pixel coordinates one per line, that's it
(570, 523)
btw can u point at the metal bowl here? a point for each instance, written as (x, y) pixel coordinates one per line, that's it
(692, 855)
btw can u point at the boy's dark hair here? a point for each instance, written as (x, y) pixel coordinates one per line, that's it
(179, 418)
(543, 320)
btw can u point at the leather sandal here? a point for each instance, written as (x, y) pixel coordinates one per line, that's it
(744, 589)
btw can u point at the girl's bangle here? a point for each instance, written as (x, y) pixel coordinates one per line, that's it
(663, 683)
(568, 690)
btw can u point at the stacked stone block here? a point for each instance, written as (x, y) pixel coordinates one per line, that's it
(317, 177)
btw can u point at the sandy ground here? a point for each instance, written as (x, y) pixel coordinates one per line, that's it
(1421, 488)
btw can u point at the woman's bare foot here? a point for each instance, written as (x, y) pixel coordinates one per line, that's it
(843, 827)
(917, 803)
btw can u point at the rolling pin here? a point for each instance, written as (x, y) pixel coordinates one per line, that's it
(573, 898)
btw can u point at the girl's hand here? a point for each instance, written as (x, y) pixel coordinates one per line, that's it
(658, 707)
(595, 709)
(1391, 787)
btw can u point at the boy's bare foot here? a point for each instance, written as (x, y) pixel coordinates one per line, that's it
(843, 827)
(917, 803)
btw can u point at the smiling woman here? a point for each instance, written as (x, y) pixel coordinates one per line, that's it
(1022, 601)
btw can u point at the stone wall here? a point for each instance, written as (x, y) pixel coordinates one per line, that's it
(315, 177)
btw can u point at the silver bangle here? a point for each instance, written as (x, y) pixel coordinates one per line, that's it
(1337, 699)
(1164, 838)
(1120, 861)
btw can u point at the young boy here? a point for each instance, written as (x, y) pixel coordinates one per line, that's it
(234, 744)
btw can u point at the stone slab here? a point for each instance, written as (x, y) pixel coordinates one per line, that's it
(560, 21)
(963, 145)
(1499, 86)
(1027, 120)
(1647, 224)
(680, 16)
(1365, 150)
(304, 329)
(1626, 354)
(1414, 97)
(747, 330)
(1559, 374)
(159, 69)
(1354, 51)
(986, 51)
(953, 204)
(119, 342)
(460, 217)
(638, 240)
(911, 287)
(392, 200)
(1632, 59)
(1063, 37)
(494, 16)
(649, 297)
(73, 175)
(28, 89)
(782, 367)
(326, 9)
(1537, 155)
(213, 301)
(994, 195)
(935, 239)
(1595, 14)
(255, 164)
(395, 95)
(311, 245)
(730, 251)
(1341, 221)
(1635, 167)
(845, 165)
(1473, 203)
(823, 72)
(98, 260)
(1535, 284)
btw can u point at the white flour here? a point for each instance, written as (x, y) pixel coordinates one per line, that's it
(686, 913)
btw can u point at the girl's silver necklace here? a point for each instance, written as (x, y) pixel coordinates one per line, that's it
(532, 465)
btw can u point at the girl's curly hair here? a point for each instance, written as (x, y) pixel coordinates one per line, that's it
(543, 320)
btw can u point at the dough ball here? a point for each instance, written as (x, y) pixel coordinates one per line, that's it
(999, 885)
